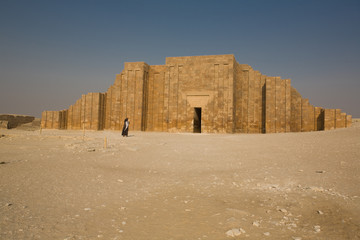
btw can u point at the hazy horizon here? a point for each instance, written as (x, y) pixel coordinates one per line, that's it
(52, 52)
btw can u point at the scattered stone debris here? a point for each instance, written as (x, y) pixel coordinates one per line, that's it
(235, 232)
(8, 204)
(2, 135)
(320, 212)
(266, 233)
(256, 224)
(317, 189)
(87, 209)
(317, 228)
(320, 171)
(296, 238)
(91, 149)
(3, 162)
(283, 210)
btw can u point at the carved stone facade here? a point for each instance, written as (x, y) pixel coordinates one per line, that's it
(210, 94)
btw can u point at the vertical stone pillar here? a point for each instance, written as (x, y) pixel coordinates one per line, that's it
(287, 105)
(348, 120)
(319, 118)
(95, 105)
(130, 105)
(43, 119)
(237, 96)
(166, 99)
(56, 120)
(329, 119)
(270, 125)
(251, 102)
(279, 105)
(78, 114)
(116, 109)
(123, 98)
(172, 101)
(157, 96)
(114, 116)
(339, 121)
(63, 115)
(245, 100)
(295, 125)
(342, 122)
(69, 117)
(108, 108)
(102, 110)
(228, 98)
(263, 104)
(307, 120)
(129, 96)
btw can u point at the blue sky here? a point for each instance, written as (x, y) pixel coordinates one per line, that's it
(53, 51)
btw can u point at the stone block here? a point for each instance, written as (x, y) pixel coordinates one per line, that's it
(329, 119)
(4, 124)
(348, 120)
(14, 120)
(319, 118)
(270, 116)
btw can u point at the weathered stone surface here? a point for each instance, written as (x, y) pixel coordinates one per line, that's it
(13, 120)
(4, 124)
(211, 94)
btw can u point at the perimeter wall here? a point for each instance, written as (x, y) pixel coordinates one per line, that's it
(230, 97)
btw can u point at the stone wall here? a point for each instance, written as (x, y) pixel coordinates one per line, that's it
(334, 118)
(54, 119)
(249, 100)
(204, 82)
(87, 112)
(13, 120)
(278, 105)
(231, 97)
(127, 98)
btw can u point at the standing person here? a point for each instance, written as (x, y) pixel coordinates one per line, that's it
(125, 129)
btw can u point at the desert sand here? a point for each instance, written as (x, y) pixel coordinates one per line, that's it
(58, 184)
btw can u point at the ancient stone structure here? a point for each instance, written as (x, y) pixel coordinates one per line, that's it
(13, 120)
(210, 94)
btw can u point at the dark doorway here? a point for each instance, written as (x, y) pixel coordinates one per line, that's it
(197, 120)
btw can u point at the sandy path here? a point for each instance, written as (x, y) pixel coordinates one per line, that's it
(179, 186)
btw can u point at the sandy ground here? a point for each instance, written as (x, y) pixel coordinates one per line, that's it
(59, 185)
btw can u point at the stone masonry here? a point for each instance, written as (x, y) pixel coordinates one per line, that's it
(13, 120)
(210, 94)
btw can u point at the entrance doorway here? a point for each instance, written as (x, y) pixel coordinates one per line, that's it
(197, 120)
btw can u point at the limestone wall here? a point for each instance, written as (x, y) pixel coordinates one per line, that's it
(156, 99)
(232, 97)
(127, 98)
(13, 120)
(87, 112)
(54, 119)
(204, 82)
(262, 103)
(334, 118)
(278, 105)
(249, 99)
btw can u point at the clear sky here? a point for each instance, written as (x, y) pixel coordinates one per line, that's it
(53, 51)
